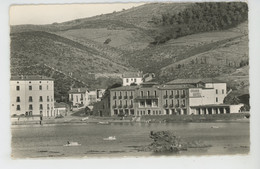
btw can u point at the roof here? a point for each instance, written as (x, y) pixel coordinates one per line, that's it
(78, 90)
(125, 88)
(30, 77)
(176, 86)
(132, 75)
(193, 81)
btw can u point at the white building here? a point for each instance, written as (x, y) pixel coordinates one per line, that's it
(79, 97)
(82, 97)
(132, 77)
(32, 96)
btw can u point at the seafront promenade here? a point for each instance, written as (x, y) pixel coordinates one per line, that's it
(72, 118)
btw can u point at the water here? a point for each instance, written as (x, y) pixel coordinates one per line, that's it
(47, 141)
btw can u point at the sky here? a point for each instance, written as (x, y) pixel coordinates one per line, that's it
(48, 14)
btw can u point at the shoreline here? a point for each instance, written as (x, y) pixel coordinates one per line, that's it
(221, 118)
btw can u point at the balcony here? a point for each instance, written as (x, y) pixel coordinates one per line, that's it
(114, 97)
(119, 106)
(165, 106)
(131, 97)
(177, 96)
(171, 105)
(119, 97)
(130, 106)
(146, 98)
(183, 96)
(165, 96)
(125, 97)
(177, 105)
(183, 105)
(125, 106)
(114, 106)
(171, 96)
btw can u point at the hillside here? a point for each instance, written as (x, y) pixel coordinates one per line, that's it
(150, 38)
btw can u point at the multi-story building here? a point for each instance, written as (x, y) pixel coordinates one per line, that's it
(132, 77)
(83, 97)
(78, 96)
(32, 95)
(179, 97)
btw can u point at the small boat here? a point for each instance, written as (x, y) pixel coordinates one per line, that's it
(214, 127)
(84, 119)
(72, 144)
(103, 122)
(110, 138)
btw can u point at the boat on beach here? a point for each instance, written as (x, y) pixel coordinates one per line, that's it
(103, 122)
(110, 138)
(72, 144)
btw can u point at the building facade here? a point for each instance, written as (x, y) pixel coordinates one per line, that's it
(132, 77)
(32, 96)
(82, 97)
(181, 97)
(78, 97)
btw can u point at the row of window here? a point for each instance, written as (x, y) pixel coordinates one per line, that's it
(154, 93)
(132, 80)
(31, 88)
(222, 91)
(31, 99)
(18, 107)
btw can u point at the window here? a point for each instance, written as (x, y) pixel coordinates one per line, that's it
(41, 107)
(40, 98)
(30, 107)
(216, 99)
(125, 93)
(48, 107)
(135, 80)
(216, 91)
(166, 93)
(126, 80)
(148, 93)
(120, 94)
(142, 104)
(40, 87)
(30, 87)
(126, 102)
(154, 93)
(142, 93)
(18, 107)
(48, 99)
(17, 99)
(47, 87)
(30, 99)
(17, 88)
(223, 91)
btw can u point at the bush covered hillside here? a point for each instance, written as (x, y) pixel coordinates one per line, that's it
(200, 17)
(172, 40)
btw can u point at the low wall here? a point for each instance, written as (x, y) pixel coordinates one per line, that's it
(194, 118)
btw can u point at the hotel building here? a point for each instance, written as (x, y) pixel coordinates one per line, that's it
(32, 96)
(178, 97)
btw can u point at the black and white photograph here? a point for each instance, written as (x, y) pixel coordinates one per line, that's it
(131, 80)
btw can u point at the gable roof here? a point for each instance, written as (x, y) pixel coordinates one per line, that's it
(132, 75)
